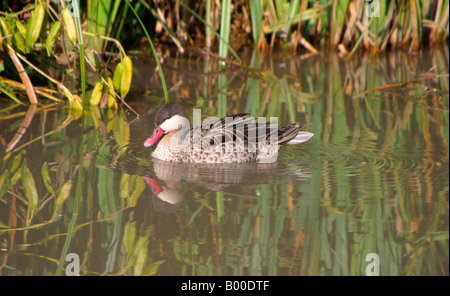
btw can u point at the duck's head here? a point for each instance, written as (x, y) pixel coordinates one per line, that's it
(169, 118)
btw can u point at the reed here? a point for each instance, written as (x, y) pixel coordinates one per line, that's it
(80, 40)
(102, 17)
(155, 54)
(225, 22)
(344, 25)
(349, 26)
(256, 10)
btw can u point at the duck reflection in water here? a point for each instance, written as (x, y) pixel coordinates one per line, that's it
(167, 179)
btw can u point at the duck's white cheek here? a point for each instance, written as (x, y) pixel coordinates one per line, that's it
(175, 123)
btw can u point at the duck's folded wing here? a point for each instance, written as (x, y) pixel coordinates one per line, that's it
(243, 129)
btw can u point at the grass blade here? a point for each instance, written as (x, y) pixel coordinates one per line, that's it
(155, 54)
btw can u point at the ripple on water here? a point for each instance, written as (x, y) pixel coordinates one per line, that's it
(360, 162)
(356, 158)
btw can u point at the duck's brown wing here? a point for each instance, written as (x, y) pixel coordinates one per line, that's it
(288, 133)
(241, 129)
(227, 130)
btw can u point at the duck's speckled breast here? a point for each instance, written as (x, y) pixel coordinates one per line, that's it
(169, 149)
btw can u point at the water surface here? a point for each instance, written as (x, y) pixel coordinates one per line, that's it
(373, 179)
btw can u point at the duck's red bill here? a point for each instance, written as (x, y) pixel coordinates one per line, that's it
(154, 138)
(152, 182)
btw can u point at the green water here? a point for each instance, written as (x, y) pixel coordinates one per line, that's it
(373, 179)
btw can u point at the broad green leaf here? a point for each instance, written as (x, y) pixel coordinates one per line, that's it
(46, 178)
(63, 194)
(129, 236)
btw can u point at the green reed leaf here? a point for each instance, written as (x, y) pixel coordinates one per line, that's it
(46, 178)
(63, 194)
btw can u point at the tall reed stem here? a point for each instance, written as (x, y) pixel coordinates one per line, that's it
(76, 16)
(155, 54)
(225, 29)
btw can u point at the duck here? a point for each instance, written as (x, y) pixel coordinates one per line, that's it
(236, 138)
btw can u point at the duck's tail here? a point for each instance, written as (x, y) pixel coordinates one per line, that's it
(292, 135)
